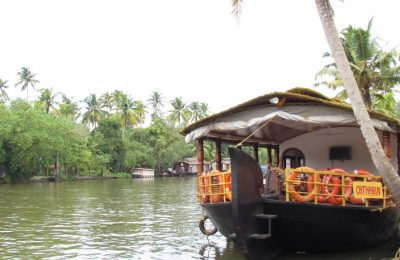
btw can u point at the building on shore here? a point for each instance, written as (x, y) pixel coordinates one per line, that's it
(142, 173)
(188, 166)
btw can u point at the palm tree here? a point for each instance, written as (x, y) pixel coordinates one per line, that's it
(381, 162)
(48, 99)
(179, 112)
(386, 104)
(3, 86)
(156, 103)
(203, 110)
(384, 167)
(26, 78)
(94, 112)
(69, 107)
(140, 111)
(195, 112)
(375, 71)
(118, 98)
(107, 100)
(126, 106)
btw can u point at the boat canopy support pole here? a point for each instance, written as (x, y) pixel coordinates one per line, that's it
(269, 147)
(200, 157)
(398, 153)
(218, 158)
(386, 143)
(255, 148)
(276, 148)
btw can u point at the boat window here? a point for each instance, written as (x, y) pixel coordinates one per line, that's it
(293, 158)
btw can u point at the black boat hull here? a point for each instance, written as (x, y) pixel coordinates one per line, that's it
(322, 227)
(314, 228)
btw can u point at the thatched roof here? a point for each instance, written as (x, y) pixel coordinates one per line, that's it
(293, 97)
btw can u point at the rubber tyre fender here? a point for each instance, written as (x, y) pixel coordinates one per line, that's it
(203, 228)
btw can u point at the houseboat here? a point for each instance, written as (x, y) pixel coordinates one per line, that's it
(321, 191)
(142, 173)
(188, 167)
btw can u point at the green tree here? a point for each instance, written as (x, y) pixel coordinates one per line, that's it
(94, 112)
(376, 72)
(26, 79)
(113, 144)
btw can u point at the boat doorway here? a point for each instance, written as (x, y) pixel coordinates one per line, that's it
(293, 158)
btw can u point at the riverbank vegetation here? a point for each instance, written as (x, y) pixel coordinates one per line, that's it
(101, 136)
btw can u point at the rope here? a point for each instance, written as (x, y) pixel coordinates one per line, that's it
(258, 129)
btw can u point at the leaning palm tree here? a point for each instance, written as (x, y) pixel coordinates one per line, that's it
(94, 112)
(3, 86)
(381, 162)
(179, 113)
(156, 103)
(26, 78)
(384, 167)
(48, 99)
(375, 71)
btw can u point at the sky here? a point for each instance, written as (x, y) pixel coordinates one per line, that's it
(195, 49)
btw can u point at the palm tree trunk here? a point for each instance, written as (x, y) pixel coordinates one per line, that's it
(384, 167)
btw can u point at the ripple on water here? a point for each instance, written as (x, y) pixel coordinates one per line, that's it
(134, 219)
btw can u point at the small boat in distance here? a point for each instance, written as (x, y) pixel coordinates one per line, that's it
(320, 193)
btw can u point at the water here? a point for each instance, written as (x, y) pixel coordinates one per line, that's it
(112, 219)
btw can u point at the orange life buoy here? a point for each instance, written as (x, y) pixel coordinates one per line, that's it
(336, 183)
(292, 192)
(320, 191)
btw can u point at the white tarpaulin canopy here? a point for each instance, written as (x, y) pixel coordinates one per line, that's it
(284, 123)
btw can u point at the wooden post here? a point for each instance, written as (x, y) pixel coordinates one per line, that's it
(218, 159)
(386, 143)
(398, 153)
(200, 156)
(276, 148)
(269, 147)
(255, 149)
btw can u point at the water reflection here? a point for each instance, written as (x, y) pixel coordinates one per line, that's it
(113, 219)
(140, 219)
